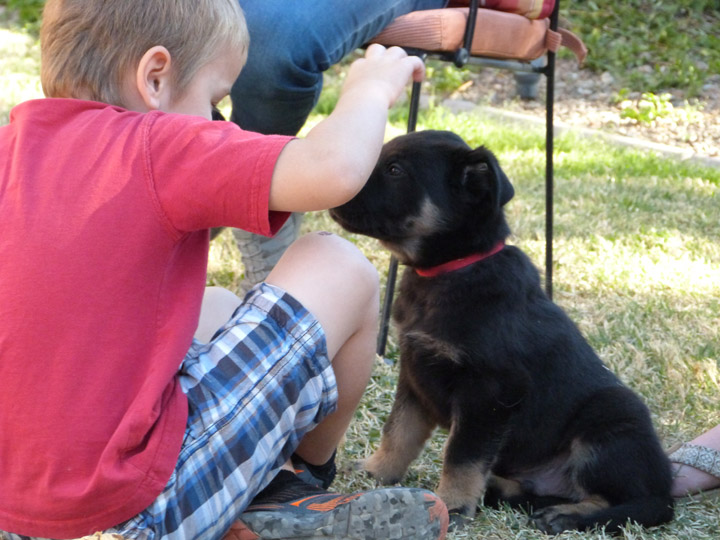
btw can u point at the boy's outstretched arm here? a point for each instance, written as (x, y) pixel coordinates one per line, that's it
(332, 163)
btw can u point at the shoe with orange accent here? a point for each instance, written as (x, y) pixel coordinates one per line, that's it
(289, 508)
(316, 475)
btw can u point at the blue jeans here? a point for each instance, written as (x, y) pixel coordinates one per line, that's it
(291, 43)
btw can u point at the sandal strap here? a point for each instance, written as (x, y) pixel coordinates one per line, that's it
(698, 457)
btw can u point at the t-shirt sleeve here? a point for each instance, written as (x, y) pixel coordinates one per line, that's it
(210, 174)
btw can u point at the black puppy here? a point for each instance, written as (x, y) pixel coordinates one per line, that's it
(534, 417)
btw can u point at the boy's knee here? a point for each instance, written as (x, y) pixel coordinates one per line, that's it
(329, 253)
(342, 254)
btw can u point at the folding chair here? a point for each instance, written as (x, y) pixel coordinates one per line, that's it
(512, 35)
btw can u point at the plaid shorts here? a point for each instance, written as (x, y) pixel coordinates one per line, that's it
(262, 382)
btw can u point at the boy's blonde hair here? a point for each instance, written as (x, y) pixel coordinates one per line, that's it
(88, 47)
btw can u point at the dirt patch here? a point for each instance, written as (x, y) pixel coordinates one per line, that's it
(587, 99)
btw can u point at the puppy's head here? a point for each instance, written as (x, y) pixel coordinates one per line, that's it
(431, 198)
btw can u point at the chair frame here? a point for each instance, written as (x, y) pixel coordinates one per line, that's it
(461, 58)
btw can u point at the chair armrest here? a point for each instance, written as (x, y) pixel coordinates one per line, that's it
(497, 34)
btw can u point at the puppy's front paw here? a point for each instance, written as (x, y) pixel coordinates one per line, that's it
(552, 520)
(458, 519)
(351, 467)
(380, 469)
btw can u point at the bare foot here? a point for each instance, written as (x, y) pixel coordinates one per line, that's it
(689, 480)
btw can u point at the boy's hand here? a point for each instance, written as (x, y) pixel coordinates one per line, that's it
(333, 161)
(384, 71)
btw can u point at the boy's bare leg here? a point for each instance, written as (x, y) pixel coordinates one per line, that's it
(218, 305)
(331, 278)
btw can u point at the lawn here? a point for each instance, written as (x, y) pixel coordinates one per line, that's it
(637, 266)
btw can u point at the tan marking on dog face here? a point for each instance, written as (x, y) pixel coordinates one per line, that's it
(415, 228)
(434, 346)
(425, 223)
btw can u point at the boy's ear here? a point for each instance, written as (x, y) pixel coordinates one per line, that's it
(153, 78)
(483, 177)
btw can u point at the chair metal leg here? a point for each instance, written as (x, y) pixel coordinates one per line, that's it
(387, 306)
(414, 106)
(549, 173)
(549, 151)
(392, 269)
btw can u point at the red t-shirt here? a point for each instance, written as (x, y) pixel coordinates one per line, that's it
(104, 217)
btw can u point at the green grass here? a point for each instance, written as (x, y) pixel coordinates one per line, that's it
(650, 45)
(20, 68)
(637, 266)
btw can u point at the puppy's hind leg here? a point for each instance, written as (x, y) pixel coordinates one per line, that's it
(511, 492)
(571, 516)
(597, 512)
(620, 470)
(404, 434)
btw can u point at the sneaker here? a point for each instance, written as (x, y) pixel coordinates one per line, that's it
(291, 509)
(315, 475)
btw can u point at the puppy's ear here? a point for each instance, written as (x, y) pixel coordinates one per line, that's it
(483, 177)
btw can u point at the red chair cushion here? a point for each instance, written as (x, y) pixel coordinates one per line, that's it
(497, 34)
(532, 9)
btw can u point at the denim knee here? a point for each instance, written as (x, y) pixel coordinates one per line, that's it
(291, 44)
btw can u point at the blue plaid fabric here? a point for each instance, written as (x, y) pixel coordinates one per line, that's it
(261, 383)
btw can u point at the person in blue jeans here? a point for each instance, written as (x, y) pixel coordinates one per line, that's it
(291, 44)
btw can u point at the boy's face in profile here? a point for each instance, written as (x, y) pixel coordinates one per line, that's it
(211, 83)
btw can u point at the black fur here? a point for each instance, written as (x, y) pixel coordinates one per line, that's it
(534, 416)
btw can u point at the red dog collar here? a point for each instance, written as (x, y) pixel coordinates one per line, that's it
(457, 264)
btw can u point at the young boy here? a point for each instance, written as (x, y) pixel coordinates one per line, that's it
(112, 416)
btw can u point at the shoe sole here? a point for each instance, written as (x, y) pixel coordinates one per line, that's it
(391, 513)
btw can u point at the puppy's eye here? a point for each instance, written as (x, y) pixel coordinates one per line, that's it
(395, 170)
(483, 167)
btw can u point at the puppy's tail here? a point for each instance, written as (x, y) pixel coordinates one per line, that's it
(647, 511)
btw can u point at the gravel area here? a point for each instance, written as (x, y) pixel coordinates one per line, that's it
(587, 99)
